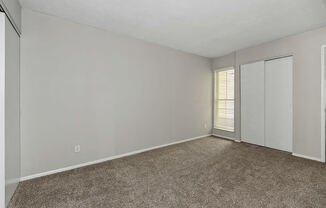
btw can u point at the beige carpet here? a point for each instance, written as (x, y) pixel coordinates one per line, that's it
(208, 172)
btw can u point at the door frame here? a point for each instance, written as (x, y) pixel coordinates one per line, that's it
(323, 113)
(2, 110)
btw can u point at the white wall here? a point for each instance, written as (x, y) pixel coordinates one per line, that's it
(306, 49)
(14, 11)
(111, 94)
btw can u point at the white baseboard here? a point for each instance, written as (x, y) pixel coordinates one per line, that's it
(25, 178)
(306, 157)
(225, 137)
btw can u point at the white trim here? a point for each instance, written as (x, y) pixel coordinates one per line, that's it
(2, 109)
(225, 137)
(323, 124)
(306, 157)
(107, 159)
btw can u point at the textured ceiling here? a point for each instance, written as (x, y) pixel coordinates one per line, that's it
(208, 28)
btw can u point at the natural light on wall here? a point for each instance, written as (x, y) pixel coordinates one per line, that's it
(224, 99)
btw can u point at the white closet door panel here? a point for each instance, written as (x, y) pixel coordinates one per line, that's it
(278, 104)
(252, 103)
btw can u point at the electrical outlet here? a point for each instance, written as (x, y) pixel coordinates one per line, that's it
(77, 148)
(205, 125)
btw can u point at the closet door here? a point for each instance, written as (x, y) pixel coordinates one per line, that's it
(252, 103)
(278, 104)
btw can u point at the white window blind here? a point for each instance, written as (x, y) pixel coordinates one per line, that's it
(224, 100)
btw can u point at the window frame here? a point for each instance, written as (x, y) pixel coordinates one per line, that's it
(215, 99)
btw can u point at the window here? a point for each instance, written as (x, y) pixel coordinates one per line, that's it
(224, 99)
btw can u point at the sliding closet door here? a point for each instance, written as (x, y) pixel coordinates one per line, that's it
(278, 104)
(252, 103)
